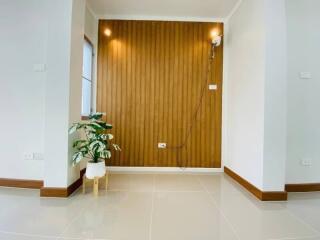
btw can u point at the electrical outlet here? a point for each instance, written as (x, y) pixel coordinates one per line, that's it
(33, 156)
(306, 162)
(38, 156)
(162, 145)
(28, 156)
(213, 87)
(305, 75)
(39, 67)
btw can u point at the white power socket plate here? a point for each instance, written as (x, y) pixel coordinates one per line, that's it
(306, 162)
(213, 87)
(305, 75)
(38, 156)
(162, 145)
(39, 67)
(30, 156)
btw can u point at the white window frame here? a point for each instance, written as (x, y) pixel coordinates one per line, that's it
(87, 40)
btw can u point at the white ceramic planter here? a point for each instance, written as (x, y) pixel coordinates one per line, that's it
(95, 169)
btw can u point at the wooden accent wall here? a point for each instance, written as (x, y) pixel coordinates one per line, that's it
(150, 75)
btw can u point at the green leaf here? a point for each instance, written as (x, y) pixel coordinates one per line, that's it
(73, 128)
(105, 154)
(96, 126)
(104, 125)
(116, 147)
(107, 136)
(96, 116)
(97, 146)
(77, 157)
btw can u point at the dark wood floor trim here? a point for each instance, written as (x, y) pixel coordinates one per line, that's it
(274, 196)
(263, 196)
(303, 187)
(21, 183)
(62, 192)
(54, 192)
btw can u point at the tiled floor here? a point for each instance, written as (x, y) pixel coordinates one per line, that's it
(159, 207)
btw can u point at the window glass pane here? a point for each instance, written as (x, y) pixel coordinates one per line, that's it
(87, 60)
(86, 97)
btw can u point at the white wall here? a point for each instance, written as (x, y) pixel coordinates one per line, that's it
(38, 107)
(303, 94)
(245, 41)
(76, 64)
(63, 88)
(275, 122)
(256, 103)
(23, 43)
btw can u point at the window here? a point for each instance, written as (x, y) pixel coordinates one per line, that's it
(87, 78)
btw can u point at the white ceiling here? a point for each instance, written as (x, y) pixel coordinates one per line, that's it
(196, 9)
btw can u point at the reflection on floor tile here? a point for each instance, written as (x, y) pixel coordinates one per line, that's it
(219, 184)
(33, 215)
(306, 206)
(15, 236)
(261, 220)
(176, 182)
(159, 207)
(187, 216)
(117, 215)
(131, 182)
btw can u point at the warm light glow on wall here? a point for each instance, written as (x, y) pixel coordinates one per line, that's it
(214, 33)
(107, 32)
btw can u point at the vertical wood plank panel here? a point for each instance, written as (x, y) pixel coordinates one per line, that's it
(150, 76)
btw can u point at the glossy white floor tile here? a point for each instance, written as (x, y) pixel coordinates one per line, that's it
(131, 182)
(159, 207)
(177, 183)
(24, 211)
(306, 206)
(115, 215)
(187, 216)
(261, 220)
(17, 236)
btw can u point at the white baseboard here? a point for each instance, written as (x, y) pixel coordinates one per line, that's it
(163, 170)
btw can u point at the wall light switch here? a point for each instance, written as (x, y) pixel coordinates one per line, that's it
(213, 87)
(306, 162)
(305, 75)
(39, 67)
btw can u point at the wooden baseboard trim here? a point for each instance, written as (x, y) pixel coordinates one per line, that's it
(21, 183)
(62, 192)
(263, 196)
(303, 187)
(54, 192)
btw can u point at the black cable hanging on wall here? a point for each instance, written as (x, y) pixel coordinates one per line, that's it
(206, 79)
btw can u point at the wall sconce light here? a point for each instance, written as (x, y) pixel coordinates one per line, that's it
(107, 32)
(215, 41)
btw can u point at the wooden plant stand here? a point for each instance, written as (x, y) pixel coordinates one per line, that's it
(96, 181)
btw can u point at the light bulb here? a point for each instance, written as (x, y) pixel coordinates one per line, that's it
(214, 33)
(107, 32)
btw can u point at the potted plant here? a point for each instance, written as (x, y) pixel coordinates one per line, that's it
(95, 145)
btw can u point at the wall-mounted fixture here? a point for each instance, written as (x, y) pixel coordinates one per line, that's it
(107, 32)
(215, 41)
